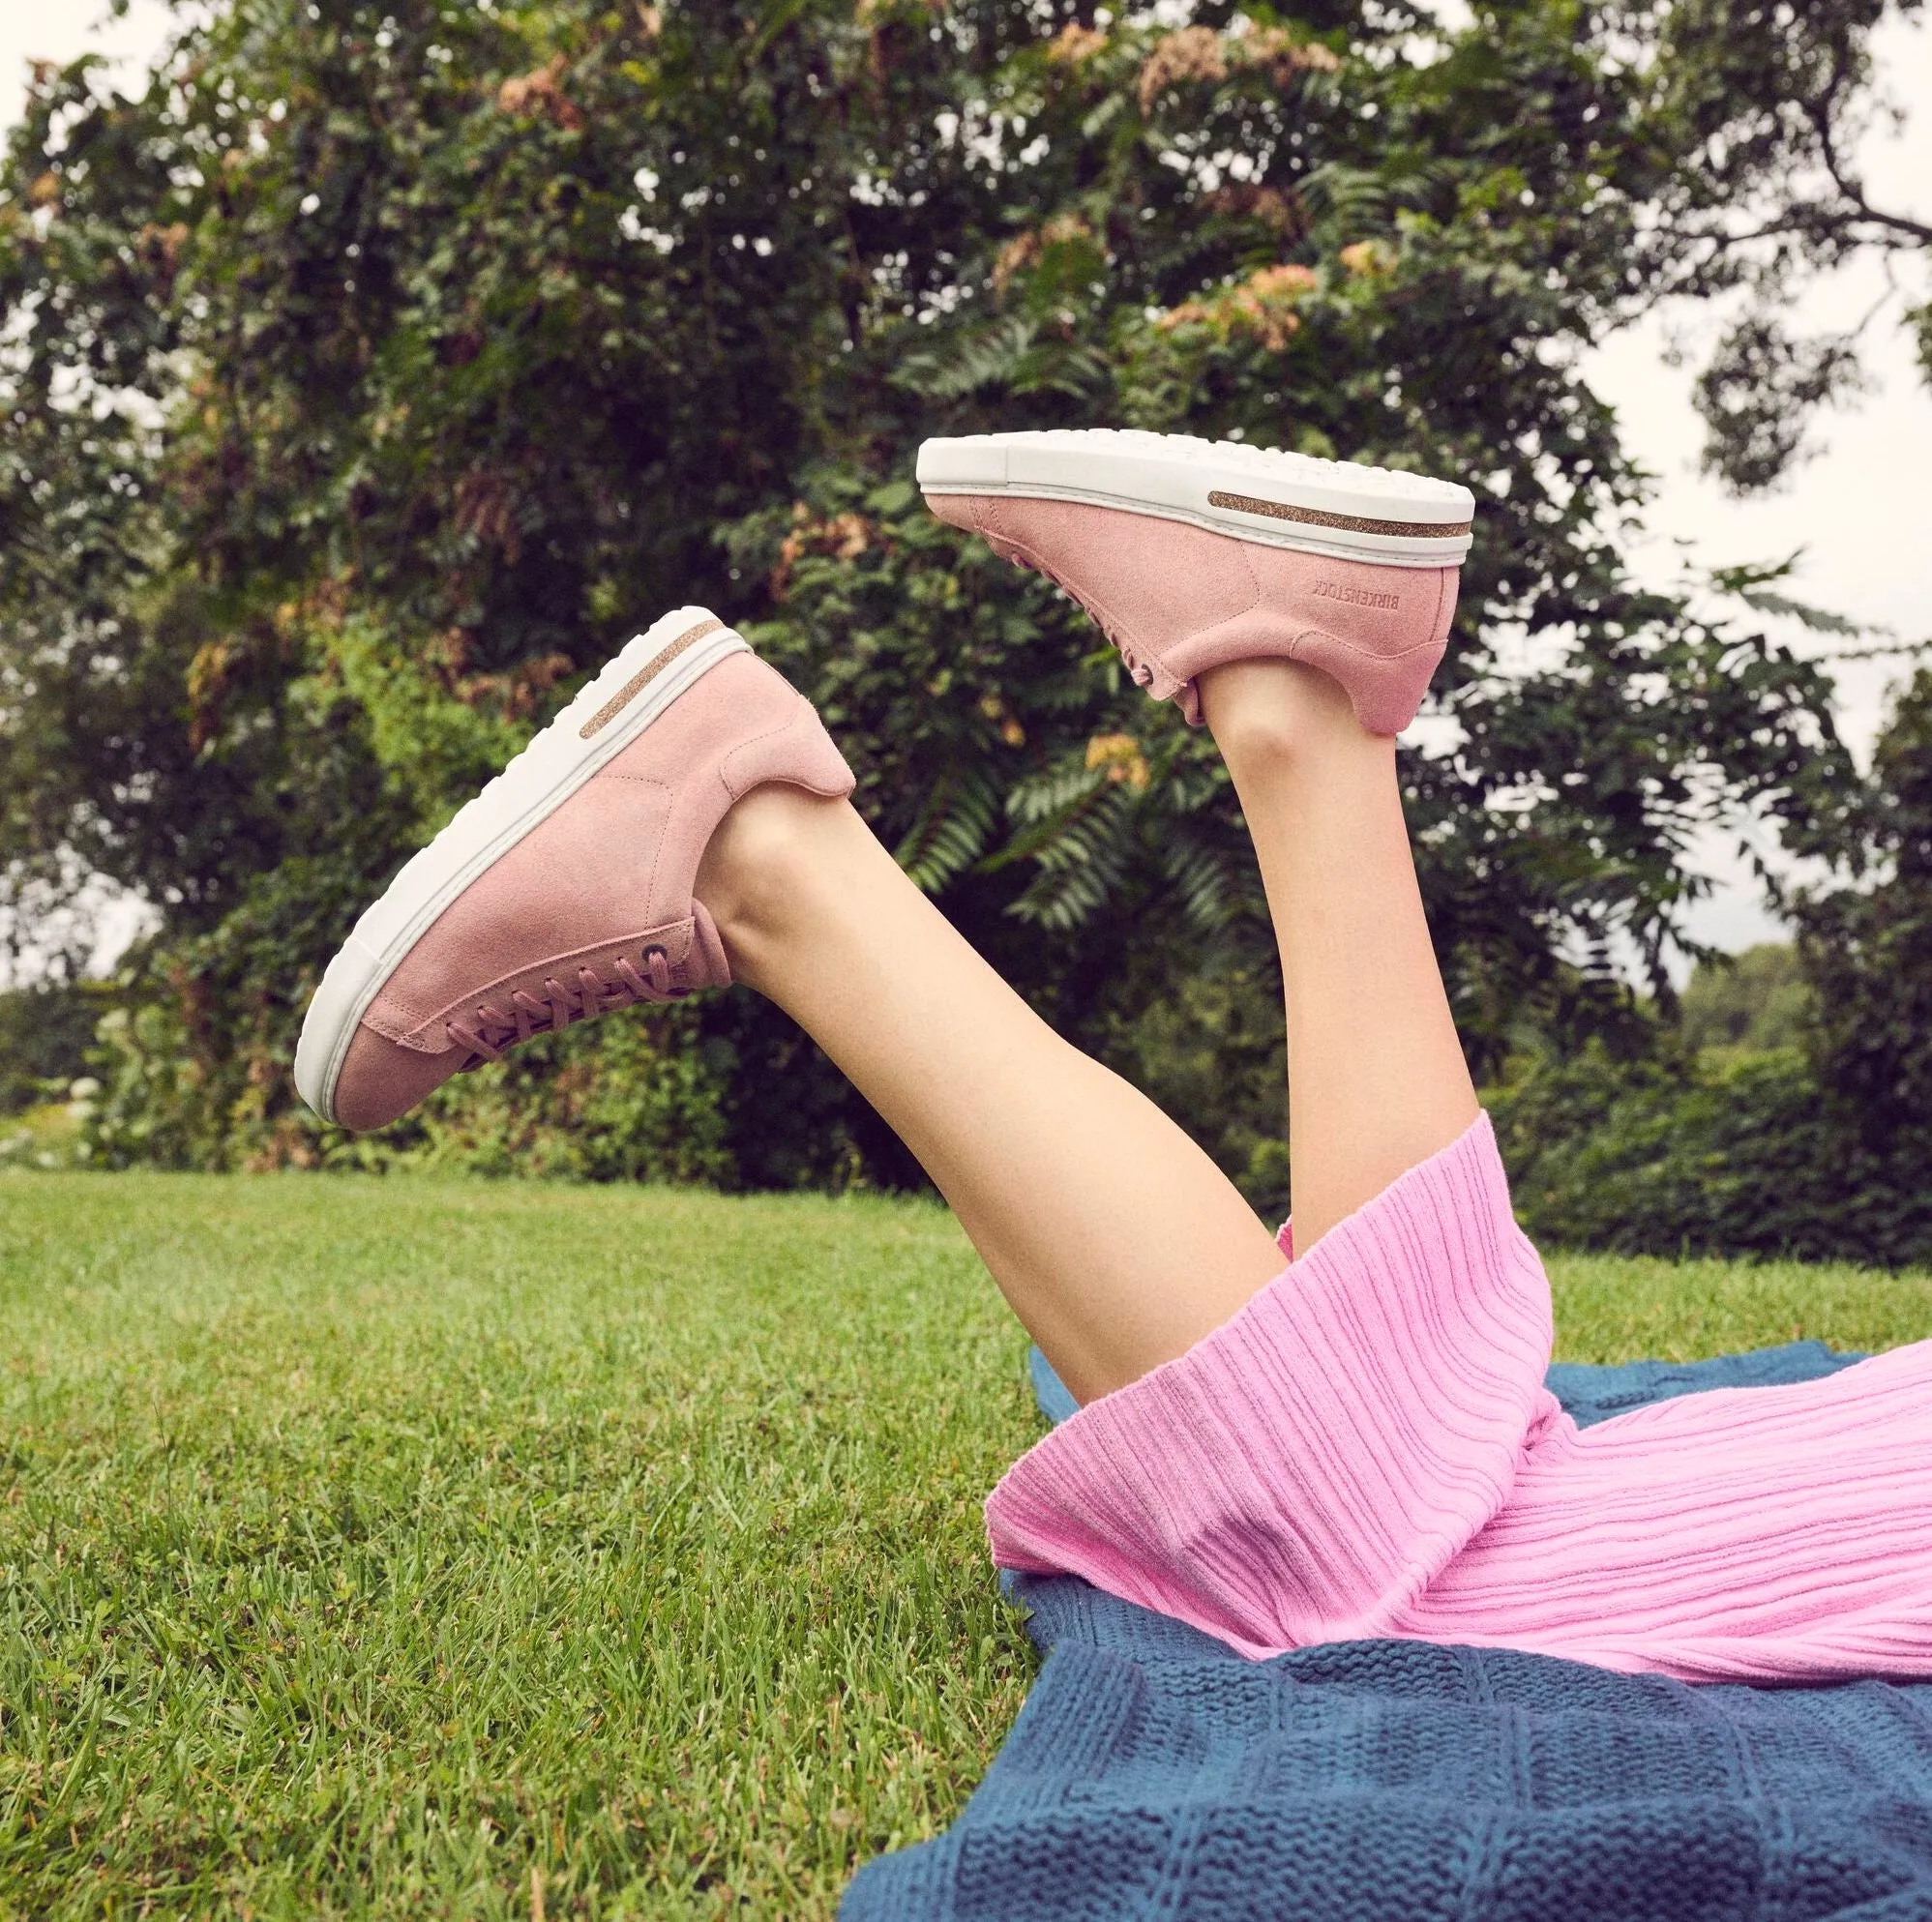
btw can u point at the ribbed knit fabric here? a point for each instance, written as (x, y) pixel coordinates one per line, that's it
(1369, 1449)
(1155, 1776)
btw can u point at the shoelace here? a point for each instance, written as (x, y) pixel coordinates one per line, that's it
(492, 1032)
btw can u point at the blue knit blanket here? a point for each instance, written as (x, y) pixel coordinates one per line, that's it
(1154, 1773)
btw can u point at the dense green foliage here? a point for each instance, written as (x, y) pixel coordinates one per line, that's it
(368, 1546)
(1755, 1000)
(1789, 1109)
(1868, 952)
(46, 1034)
(1746, 1155)
(373, 377)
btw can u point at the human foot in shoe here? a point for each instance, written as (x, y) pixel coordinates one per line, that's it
(564, 889)
(1192, 553)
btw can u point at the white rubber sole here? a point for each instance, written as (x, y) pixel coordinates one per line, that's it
(632, 689)
(1285, 500)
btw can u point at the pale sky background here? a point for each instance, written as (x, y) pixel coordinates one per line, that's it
(1861, 511)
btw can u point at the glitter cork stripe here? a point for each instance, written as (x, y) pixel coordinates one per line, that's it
(645, 676)
(1349, 523)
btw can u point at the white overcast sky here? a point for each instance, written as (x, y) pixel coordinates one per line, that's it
(1861, 512)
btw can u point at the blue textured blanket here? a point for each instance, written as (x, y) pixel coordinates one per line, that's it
(1153, 1773)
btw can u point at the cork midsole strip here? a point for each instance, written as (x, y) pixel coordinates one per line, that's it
(645, 676)
(1347, 523)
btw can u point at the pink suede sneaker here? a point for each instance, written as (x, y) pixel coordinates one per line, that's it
(1191, 553)
(563, 890)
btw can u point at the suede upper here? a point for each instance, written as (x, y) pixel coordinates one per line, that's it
(596, 894)
(1178, 599)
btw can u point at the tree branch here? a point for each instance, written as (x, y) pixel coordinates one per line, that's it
(1819, 114)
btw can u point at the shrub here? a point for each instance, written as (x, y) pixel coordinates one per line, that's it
(1739, 1154)
(624, 1100)
(45, 1032)
(1791, 1110)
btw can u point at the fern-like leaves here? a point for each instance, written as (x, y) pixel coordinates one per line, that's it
(953, 828)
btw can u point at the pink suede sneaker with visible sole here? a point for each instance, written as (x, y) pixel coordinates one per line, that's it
(563, 890)
(1192, 553)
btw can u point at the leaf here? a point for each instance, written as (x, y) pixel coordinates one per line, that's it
(952, 829)
(986, 357)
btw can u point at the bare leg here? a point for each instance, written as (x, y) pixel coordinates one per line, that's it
(1377, 1081)
(1116, 1239)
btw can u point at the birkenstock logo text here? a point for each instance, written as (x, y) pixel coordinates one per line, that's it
(1356, 596)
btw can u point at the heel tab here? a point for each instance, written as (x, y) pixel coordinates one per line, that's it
(797, 752)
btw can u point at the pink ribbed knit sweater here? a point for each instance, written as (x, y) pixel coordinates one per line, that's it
(1368, 1449)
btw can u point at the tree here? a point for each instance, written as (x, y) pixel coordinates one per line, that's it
(1790, 1113)
(1769, 103)
(376, 373)
(1868, 951)
(1757, 1000)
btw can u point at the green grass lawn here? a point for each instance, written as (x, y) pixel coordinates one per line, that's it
(368, 1548)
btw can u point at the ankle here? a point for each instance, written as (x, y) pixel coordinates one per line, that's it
(756, 874)
(1263, 711)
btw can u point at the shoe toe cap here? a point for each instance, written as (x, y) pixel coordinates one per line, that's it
(380, 1081)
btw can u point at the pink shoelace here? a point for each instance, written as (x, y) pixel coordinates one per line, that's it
(492, 1032)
